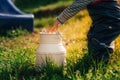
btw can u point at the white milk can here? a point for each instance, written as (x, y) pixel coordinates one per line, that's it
(51, 47)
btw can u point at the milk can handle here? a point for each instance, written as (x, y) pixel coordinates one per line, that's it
(59, 33)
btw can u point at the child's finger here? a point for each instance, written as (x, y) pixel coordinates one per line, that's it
(52, 29)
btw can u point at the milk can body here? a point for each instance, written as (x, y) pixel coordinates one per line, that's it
(50, 47)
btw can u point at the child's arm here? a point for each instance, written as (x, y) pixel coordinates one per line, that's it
(73, 9)
(70, 11)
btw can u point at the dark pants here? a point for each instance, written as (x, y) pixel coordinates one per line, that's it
(104, 30)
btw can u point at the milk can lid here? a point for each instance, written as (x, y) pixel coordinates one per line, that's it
(54, 33)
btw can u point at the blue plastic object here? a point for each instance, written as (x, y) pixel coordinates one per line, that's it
(11, 17)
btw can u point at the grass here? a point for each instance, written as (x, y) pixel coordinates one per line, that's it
(12, 33)
(37, 7)
(18, 54)
(46, 21)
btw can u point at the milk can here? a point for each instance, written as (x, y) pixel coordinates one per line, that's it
(50, 47)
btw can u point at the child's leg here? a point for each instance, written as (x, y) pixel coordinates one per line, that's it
(101, 40)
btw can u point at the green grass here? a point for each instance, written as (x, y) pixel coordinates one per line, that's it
(46, 21)
(12, 33)
(18, 54)
(38, 7)
(51, 6)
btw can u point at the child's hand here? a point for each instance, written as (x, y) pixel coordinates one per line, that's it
(54, 27)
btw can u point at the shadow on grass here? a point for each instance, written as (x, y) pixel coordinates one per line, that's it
(87, 63)
(11, 33)
(49, 12)
(32, 3)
